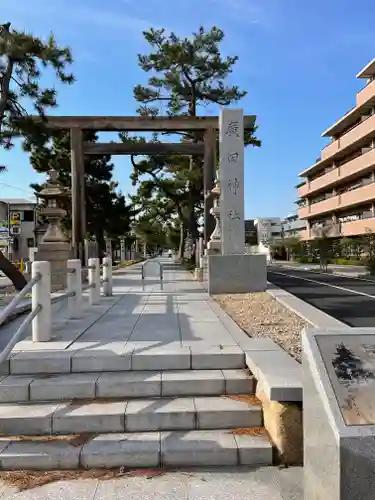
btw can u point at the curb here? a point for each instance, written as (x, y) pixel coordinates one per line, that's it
(305, 311)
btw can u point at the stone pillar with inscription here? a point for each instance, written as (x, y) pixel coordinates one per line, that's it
(233, 271)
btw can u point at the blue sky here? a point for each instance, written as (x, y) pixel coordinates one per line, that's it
(297, 60)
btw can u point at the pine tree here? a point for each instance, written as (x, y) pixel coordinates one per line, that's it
(22, 58)
(187, 74)
(106, 210)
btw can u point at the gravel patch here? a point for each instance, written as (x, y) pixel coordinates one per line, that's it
(260, 315)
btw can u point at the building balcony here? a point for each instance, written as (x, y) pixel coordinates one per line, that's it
(360, 131)
(357, 196)
(305, 234)
(357, 227)
(365, 94)
(345, 200)
(347, 170)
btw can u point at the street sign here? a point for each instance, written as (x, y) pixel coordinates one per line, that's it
(15, 218)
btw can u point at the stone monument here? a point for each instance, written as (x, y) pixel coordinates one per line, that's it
(231, 270)
(54, 246)
(339, 414)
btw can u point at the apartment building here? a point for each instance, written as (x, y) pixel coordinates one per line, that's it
(337, 193)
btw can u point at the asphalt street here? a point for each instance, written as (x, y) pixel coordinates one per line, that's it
(349, 300)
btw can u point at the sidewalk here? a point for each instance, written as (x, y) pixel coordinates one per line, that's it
(240, 483)
(340, 270)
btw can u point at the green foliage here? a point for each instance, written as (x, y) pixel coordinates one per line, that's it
(186, 75)
(369, 246)
(106, 210)
(23, 56)
(348, 262)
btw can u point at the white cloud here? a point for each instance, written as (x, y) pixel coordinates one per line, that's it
(108, 21)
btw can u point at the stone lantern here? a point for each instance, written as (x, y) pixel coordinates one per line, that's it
(54, 246)
(52, 193)
(214, 245)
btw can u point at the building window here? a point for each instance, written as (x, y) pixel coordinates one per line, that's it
(30, 243)
(28, 216)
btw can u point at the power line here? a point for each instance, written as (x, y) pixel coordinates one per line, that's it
(16, 188)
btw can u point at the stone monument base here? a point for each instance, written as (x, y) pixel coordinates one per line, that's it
(57, 253)
(339, 417)
(237, 273)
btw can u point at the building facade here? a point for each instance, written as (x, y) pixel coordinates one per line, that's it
(337, 193)
(17, 227)
(292, 226)
(268, 229)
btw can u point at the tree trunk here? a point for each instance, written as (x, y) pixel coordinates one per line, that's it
(10, 270)
(182, 242)
(100, 242)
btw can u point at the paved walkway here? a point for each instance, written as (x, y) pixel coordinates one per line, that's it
(181, 315)
(220, 484)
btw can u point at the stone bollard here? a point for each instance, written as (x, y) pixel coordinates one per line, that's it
(107, 276)
(41, 298)
(94, 280)
(74, 282)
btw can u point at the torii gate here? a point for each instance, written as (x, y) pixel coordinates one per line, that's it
(208, 125)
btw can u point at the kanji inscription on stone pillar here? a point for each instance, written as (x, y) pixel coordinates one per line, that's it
(232, 206)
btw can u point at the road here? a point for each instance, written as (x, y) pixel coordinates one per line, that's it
(349, 300)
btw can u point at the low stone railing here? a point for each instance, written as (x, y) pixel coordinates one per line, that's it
(42, 298)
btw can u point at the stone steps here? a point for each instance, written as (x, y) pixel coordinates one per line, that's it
(70, 386)
(137, 415)
(150, 449)
(124, 358)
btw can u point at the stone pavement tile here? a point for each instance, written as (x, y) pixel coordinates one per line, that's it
(226, 413)
(254, 450)
(209, 357)
(33, 362)
(162, 357)
(192, 382)
(171, 486)
(15, 388)
(238, 382)
(160, 414)
(122, 450)
(289, 481)
(67, 330)
(231, 485)
(63, 387)
(155, 331)
(128, 385)
(101, 359)
(39, 455)
(104, 416)
(80, 489)
(198, 448)
(209, 332)
(26, 418)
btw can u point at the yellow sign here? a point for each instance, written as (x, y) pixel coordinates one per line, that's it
(15, 218)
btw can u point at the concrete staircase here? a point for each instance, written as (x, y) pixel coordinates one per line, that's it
(91, 408)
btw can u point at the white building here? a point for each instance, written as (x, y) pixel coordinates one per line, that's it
(268, 229)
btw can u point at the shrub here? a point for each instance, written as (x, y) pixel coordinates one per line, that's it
(349, 262)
